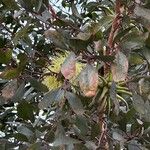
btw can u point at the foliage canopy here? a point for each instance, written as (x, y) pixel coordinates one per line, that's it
(75, 74)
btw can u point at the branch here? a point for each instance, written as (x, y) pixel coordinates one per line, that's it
(115, 25)
(114, 29)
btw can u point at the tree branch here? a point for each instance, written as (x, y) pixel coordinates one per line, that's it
(115, 26)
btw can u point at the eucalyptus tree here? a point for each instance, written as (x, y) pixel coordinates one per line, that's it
(75, 74)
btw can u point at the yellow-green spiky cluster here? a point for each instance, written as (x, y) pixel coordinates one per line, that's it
(51, 81)
(57, 61)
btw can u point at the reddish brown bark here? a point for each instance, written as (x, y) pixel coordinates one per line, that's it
(109, 51)
(114, 29)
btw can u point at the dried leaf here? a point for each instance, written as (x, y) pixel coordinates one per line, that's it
(9, 90)
(119, 68)
(68, 68)
(88, 80)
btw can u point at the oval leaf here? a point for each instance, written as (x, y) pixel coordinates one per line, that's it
(54, 95)
(6, 55)
(75, 103)
(68, 68)
(62, 139)
(119, 68)
(25, 111)
(10, 73)
(56, 37)
(9, 90)
(138, 104)
(88, 80)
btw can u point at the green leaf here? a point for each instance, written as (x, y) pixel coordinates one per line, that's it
(38, 5)
(19, 93)
(6, 55)
(22, 129)
(133, 41)
(147, 111)
(118, 135)
(23, 58)
(91, 145)
(75, 11)
(135, 59)
(81, 123)
(143, 15)
(11, 4)
(147, 42)
(121, 34)
(21, 34)
(2, 101)
(57, 38)
(62, 22)
(97, 36)
(70, 147)
(21, 137)
(130, 114)
(38, 86)
(113, 96)
(62, 139)
(105, 22)
(75, 103)
(50, 97)
(134, 145)
(138, 104)
(3, 41)
(37, 146)
(78, 45)
(106, 58)
(84, 35)
(41, 62)
(92, 32)
(49, 136)
(144, 86)
(92, 6)
(10, 74)
(25, 111)
(95, 129)
(146, 53)
(80, 147)
(27, 4)
(44, 16)
(6, 145)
